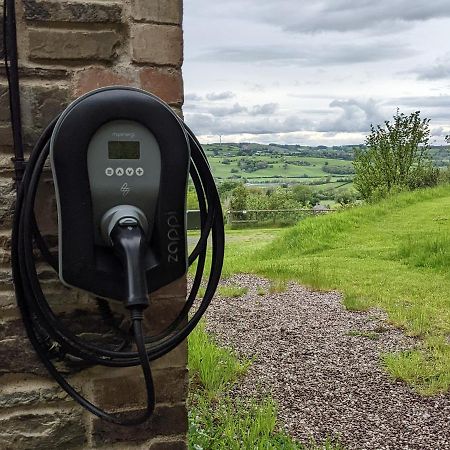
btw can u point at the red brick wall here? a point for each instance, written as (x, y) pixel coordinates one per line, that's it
(67, 48)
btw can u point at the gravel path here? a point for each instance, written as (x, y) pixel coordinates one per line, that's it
(327, 380)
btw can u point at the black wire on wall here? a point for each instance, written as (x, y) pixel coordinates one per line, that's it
(12, 74)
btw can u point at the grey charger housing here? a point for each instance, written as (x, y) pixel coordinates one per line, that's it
(119, 148)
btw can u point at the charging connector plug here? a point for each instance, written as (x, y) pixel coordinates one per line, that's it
(129, 244)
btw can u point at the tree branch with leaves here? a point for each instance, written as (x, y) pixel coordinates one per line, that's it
(396, 157)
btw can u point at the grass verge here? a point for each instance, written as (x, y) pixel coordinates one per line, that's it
(215, 369)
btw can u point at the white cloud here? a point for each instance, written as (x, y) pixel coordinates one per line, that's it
(436, 101)
(205, 123)
(334, 54)
(221, 111)
(439, 70)
(192, 97)
(213, 96)
(354, 116)
(267, 108)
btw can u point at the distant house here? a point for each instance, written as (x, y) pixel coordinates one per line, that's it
(320, 208)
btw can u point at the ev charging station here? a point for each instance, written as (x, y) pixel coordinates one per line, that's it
(120, 160)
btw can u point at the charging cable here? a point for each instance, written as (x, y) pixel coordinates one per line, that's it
(47, 333)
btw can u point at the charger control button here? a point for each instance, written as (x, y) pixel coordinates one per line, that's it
(139, 171)
(119, 171)
(129, 171)
(109, 171)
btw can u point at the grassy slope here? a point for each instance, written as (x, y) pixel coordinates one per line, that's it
(394, 255)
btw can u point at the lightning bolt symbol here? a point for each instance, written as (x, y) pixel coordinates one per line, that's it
(125, 189)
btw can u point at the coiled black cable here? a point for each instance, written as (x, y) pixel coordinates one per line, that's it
(46, 331)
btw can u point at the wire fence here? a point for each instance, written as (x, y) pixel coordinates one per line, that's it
(259, 217)
(262, 216)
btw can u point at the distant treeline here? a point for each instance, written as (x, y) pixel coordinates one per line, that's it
(439, 154)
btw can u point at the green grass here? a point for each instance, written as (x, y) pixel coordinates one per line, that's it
(241, 244)
(393, 255)
(354, 303)
(242, 425)
(431, 251)
(217, 421)
(236, 425)
(232, 291)
(212, 367)
(427, 369)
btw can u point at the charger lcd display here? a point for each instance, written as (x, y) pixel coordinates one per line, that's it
(124, 150)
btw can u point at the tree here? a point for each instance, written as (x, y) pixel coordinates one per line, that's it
(304, 195)
(395, 157)
(345, 197)
(238, 200)
(226, 187)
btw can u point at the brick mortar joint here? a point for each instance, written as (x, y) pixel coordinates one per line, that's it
(94, 28)
(160, 405)
(20, 410)
(166, 439)
(155, 22)
(156, 65)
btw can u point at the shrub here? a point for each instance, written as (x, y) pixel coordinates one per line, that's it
(395, 157)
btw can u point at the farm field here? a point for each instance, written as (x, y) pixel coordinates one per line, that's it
(281, 167)
(256, 164)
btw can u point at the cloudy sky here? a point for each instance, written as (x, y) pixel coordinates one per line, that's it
(313, 71)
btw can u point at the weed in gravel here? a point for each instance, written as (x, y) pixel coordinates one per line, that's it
(362, 333)
(381, 329)
(277, 286)
(231, 291)
(261, 291)
(328, 444)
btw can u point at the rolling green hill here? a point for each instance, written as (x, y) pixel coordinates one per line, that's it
(276, 163)
(277, 166)
(394, 255)
(257, 163)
